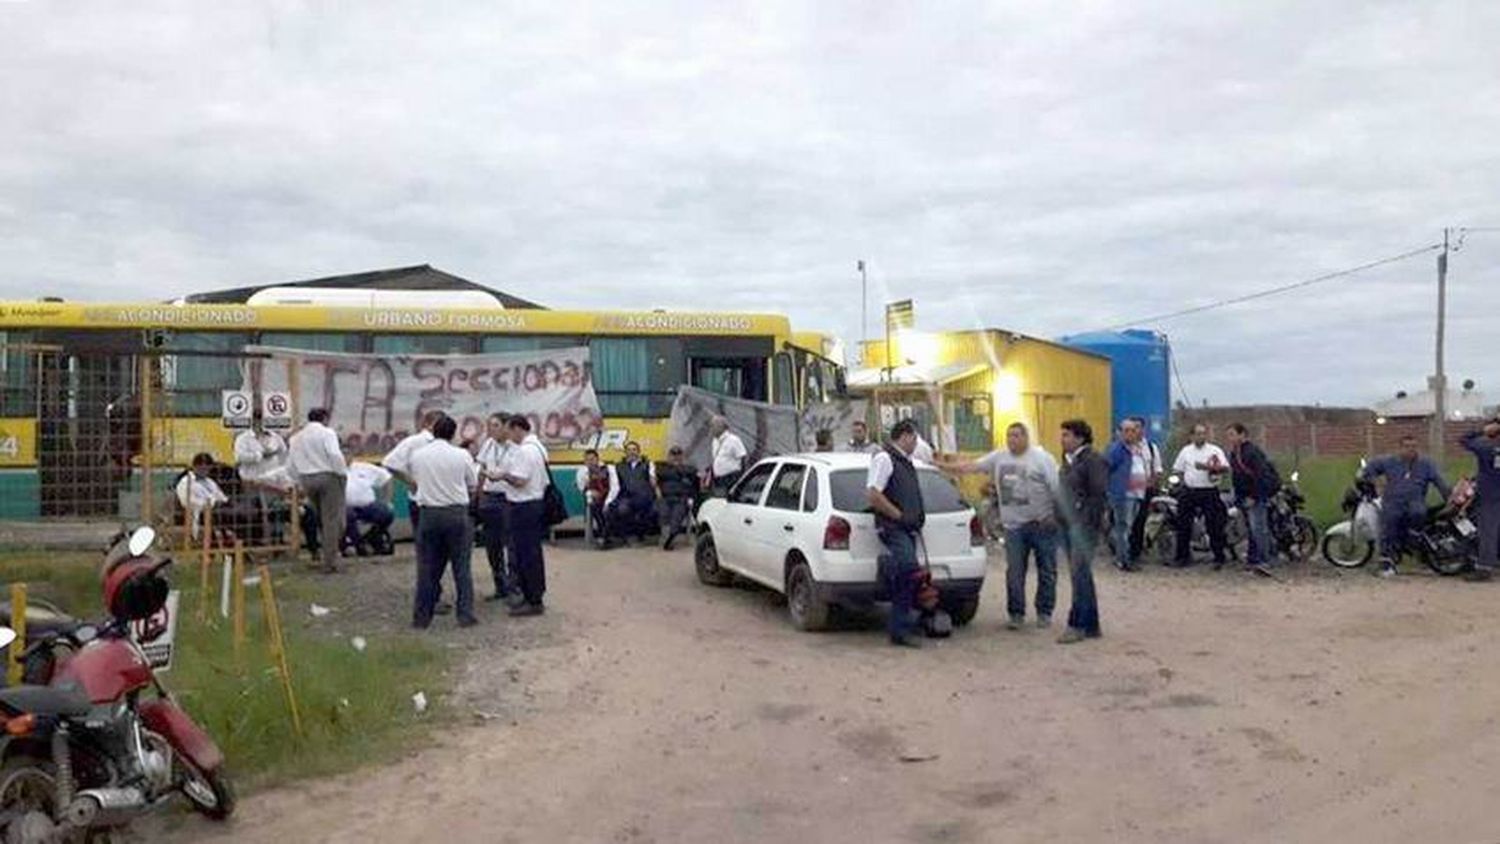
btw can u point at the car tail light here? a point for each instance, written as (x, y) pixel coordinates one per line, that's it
(976, 532)
(836, 534)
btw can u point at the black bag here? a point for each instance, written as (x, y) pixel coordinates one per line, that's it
(554, 509)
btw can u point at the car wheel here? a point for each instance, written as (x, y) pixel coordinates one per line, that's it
(706, 560)
(962, 610)
(808, 611)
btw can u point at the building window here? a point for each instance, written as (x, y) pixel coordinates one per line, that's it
(971, 423)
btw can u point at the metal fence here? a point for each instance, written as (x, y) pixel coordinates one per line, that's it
(105, 435)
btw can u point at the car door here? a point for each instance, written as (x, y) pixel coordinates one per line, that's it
(737, 518)
(777, 531)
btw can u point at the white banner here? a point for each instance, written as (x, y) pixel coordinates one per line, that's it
(375, 400)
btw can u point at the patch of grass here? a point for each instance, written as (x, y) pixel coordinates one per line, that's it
(356, 706)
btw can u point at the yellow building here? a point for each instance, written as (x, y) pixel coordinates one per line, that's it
(965, 387)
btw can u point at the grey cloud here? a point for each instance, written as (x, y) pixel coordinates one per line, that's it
(1014, 164)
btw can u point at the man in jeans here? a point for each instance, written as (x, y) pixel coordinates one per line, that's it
(895, 494)
(1130, 464)
(1084, 487)
(1026, 484)
(1255, 481)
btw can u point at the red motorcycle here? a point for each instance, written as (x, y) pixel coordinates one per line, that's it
(95, 740)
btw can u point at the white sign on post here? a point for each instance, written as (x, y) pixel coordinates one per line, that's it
(156, 634)
(237, 409)
(276, 411)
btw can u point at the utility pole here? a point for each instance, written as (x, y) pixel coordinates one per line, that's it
(1440, 379)
(864, 307)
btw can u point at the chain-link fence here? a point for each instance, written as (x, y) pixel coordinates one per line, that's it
(99, 435)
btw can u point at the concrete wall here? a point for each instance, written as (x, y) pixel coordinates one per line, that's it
(1319, 431)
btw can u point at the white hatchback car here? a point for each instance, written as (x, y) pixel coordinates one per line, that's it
(801, 525)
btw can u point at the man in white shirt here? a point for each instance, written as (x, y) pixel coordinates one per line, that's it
(398, 461)
(728, 452)
(894, 494)
(197, 492)
(447, 476)
(922, 452)
(600, 485)
(316, 462)
(1201, 464)
(1149, 455)
(260, 457)
(1026, 484)
(527, 476)
(494, 509)
(364, 502)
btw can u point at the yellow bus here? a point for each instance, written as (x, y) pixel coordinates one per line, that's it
(70, 377)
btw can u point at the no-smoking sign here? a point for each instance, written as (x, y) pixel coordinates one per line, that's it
(276, 410)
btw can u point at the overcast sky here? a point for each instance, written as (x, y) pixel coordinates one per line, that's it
(1044, 167)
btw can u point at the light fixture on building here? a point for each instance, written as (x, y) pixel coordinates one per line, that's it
(1007, 392)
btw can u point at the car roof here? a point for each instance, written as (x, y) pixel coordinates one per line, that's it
(835, 459)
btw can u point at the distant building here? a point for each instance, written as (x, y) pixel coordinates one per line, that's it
(964, 388)
(1463, 404)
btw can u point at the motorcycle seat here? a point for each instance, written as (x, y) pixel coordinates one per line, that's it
(45, 700)
(41, 618)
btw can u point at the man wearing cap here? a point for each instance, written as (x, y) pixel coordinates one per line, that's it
(677, 482)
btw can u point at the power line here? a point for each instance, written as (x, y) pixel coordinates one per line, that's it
(1261, 294)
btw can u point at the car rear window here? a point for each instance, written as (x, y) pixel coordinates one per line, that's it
(939, 495)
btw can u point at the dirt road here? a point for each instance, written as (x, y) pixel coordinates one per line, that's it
(648, 708)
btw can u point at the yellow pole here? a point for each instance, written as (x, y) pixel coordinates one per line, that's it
(148, 443)
(205, 560)
(14, 669)
(238, 585)
(278, 645)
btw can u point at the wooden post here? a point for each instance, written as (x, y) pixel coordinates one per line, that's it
(14, 668)
(278, 645)
(238, 585)
(187, 527)
(205, 560)
(148, 443)
(294, 522)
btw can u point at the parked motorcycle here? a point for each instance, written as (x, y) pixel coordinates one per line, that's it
(1295, 535)
(1447, 542)
(98, 740)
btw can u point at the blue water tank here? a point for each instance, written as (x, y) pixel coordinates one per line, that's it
(1140, 374)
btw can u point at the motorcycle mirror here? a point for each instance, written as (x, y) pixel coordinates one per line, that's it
(1174, 480)
(1363, 463)
(7, 636)
(1296, 476)
(142, 540)
(86, 633)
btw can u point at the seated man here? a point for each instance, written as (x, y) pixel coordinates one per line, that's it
(677, 481)
(600, 487)
(633, 513)
(365, 489)
(198, 492)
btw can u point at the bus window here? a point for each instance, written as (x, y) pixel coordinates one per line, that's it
(313, 341)
(196, 381)
(17, 375)
(636, 376)
(784, 388)
(424, 344)
(501, 343)
(738, 378)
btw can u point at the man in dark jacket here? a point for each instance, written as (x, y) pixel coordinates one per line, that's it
(1403, 502)
(1085, 489)
(1485, 446)
(1255, 481)
(634, 510)
(895, 494)
(677, 481)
